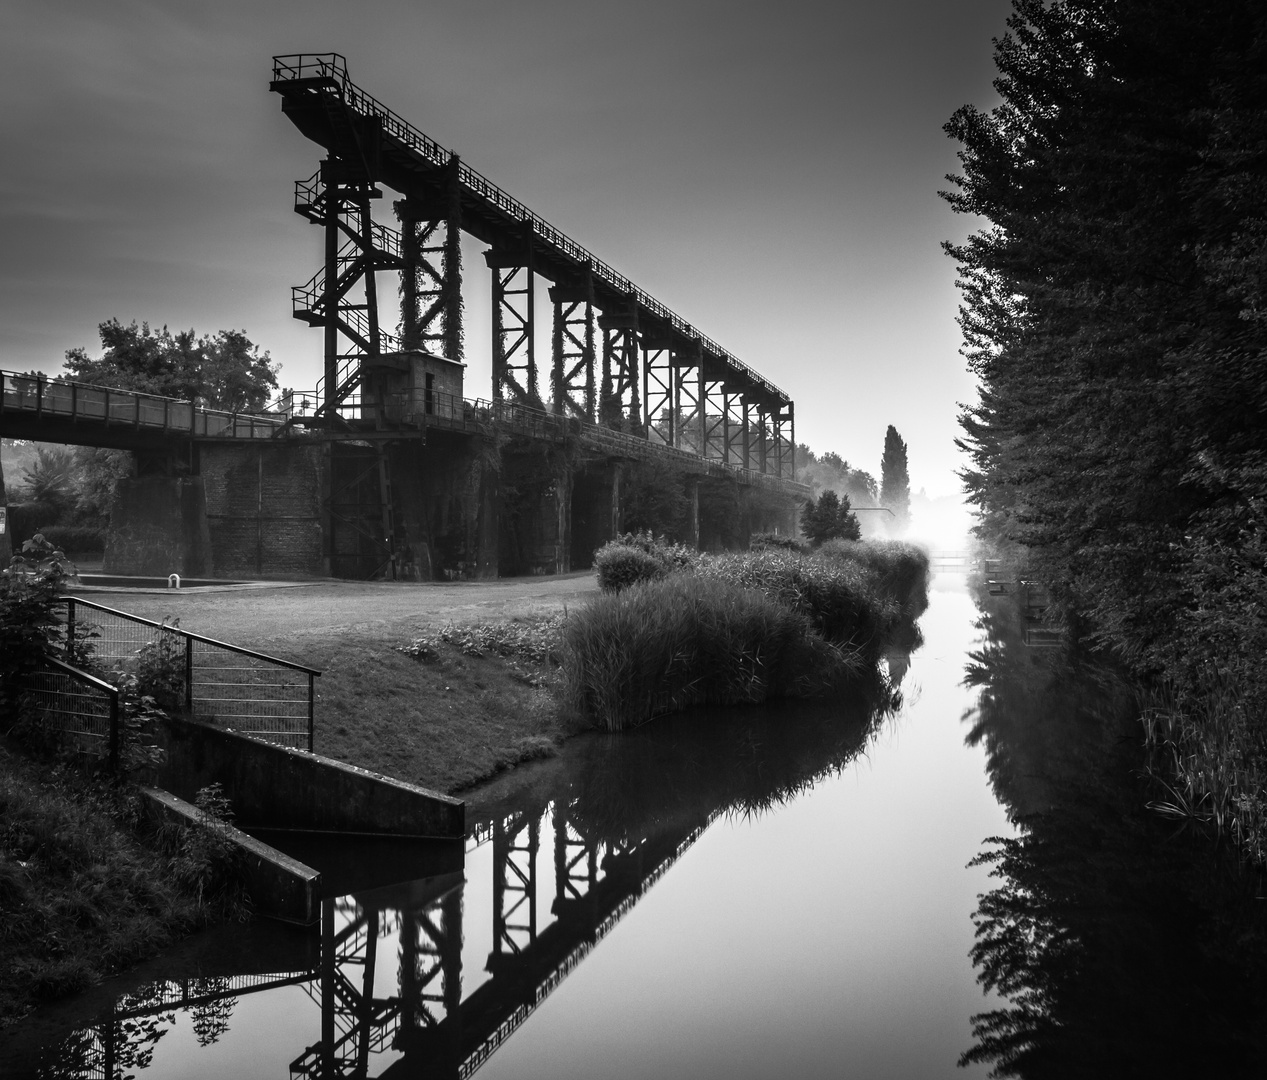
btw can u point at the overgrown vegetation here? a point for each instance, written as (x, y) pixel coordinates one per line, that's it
(85, 888)
(1113, 310)
(740, 628)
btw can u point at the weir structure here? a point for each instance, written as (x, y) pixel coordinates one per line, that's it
(386, 469)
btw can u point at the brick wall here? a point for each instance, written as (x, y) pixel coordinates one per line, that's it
(264, 509)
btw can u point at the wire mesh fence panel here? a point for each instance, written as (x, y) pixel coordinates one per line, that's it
(236, 688)
(250, 694)
(80, 710)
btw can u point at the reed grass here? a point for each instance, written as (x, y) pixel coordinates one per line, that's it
(1208, 755)
(661, 646)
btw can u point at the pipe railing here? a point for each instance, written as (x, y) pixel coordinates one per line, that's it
(240, 688)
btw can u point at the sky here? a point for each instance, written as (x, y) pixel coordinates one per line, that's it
(768, 170)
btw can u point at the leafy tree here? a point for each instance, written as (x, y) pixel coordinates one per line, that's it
(830, 518)
(52, 477)
(226, 371)
(832, 471)
(895, 481)
(1113, 310)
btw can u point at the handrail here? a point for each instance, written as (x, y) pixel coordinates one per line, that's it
(191, 635)
(332, 67)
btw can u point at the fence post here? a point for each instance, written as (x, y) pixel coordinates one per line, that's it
(189, 675)
(70, 629)
(114, 732)
(311, 712)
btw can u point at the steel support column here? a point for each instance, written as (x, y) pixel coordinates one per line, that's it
(572, 383)
(431, 277)
(514, 301)
(658, 388)
(618, 404)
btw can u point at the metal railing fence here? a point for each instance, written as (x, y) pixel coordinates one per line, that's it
(81, 708)
(42, 396)
(247, 691)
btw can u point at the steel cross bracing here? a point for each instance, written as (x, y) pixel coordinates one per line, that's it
(377, 146)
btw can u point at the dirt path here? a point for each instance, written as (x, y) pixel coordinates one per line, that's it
(256, 615)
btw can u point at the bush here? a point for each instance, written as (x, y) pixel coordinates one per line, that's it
(81, 539)
(635, 557)
(900, 570)
(29, 626)
(28, 518)
(842, 601)
(684, 640)
(761, 541)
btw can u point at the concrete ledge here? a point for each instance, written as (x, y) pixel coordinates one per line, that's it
(275, 787)
(279, 886)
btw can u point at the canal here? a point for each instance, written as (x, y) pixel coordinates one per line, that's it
(775, 892)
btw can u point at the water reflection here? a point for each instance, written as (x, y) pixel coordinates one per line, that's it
(395, 983)
(1124, 949)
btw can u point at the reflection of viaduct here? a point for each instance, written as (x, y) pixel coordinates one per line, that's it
(568, 861)
(438, 1031)
(385, 468)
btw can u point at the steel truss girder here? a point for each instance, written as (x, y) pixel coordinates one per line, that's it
(431, 273)
(572, 384)
(618, 403)
(712, 397)
(658, 391)
(514, 307)
(735, 412)
(516, 841)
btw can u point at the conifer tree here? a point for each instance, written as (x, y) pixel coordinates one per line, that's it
(895, 481)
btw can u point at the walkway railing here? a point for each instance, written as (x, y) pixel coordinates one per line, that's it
(239, 688)
(81, 708)
(38, 395)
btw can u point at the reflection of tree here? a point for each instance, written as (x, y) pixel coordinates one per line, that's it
(1122, 951)
(120, 1045)
(210, 1018)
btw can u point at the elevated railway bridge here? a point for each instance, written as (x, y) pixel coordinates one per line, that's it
(385, 468)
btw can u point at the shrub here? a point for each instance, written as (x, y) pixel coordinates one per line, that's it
(689, 640)
(843, 603)
(635, 557)
(778, 541)
(29, 626)
(81, 539)
(900, 569)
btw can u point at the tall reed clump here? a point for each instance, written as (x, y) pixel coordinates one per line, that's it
(1206, 753)
(685, 640)
(900, 571)
(842, 601)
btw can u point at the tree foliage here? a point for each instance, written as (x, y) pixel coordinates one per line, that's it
(224, 371)
(830, 518)
(895, 480)
(830, 470)
(1113, 310)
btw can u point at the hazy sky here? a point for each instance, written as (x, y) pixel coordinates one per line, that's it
(768, 170)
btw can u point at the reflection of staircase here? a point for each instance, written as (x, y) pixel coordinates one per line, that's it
(359, 1024)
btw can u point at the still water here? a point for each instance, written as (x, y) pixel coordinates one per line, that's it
(781, 892)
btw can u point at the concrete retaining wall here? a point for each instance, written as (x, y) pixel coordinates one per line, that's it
(279, 886)
(275, 787)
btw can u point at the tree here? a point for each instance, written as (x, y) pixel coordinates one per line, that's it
(226, 371)
(830, 518)
(1113, 310)
(895, 481)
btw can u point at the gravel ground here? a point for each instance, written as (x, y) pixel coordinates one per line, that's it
(254, 615)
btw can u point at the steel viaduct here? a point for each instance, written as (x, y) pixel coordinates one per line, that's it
(386, 468)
